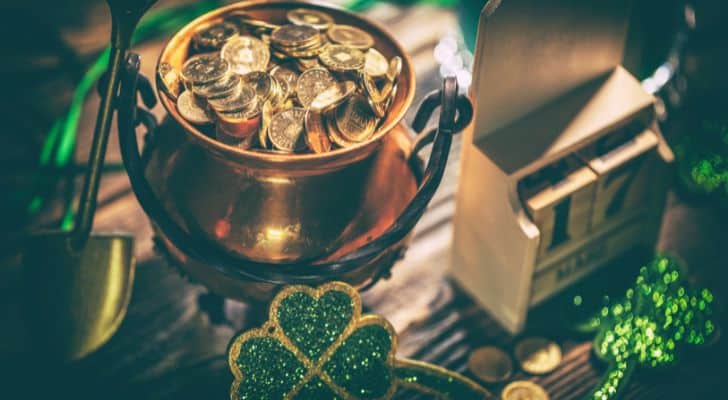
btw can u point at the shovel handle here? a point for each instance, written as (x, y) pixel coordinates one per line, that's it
(455, 113)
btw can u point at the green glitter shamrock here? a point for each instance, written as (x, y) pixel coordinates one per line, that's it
(316, 344)
(702, 160)
(658, 317)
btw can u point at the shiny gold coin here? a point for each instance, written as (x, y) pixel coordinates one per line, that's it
(524, 390)
(380, 108)
(350, 36)
(490, 364)
(204, 68)
(538, 355)
(225, 87)
(244, 99)
(355, 119)
(261, 83)
(316, 138)
(395, 68)
(294, 35)
(191, 110)
(213, 36)
(169, 79)
(334, 133)
(246, 54)
(375, 63)
(287, 129)
(342, 58)
(312, 82)
(307, 16)
(307, 63)
(266, 114)
(333, 96)
(285, 74)
(240, 124)
(252, 22)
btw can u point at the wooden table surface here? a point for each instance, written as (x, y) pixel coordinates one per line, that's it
(167, 347)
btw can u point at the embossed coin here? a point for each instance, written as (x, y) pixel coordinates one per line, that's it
(246, 54)
(342, 58)
(169, 78)
(307, 16)
(287, 129)
(350, 36)
(335, 135)
(204, 68)
(294, 35)
(375, 63)
(213, 36)
(333, 96)
(260, 82)
(538, 355)
(312, 82)
(252, 22)
(394, 69)
(316, 138)
(242, 101)
(490, 364)
(307, 63)
(284, 73)
(227, 86)
(190, 110)
(524, 390)
(355, 120)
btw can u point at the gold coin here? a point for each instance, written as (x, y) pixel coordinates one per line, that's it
(395, 68)
(333, 96)
(244, 99)
(538, 355)
(246, 54)
(287, 129)
(260, 82)
(342, 58)
(316, 138)
(244, 142)
(213, 36)
(266, 114)
(191, 110)
(334, 133)
(170, 80)
(294, 36)
(307, 16)
(307, 63)
(375, 64)
(355, 120)
(284, 73)
(490, 364)
(312, 82)
(350, 36)
(204, 68)
(524, 390)
(225, 87)
(252, 22)
(240, 123)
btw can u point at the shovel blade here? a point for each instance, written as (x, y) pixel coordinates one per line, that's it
(71, 302)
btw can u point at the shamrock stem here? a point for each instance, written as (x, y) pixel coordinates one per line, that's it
(437, 381)
(614, 381)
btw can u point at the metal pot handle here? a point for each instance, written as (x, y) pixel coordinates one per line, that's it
(455, 114)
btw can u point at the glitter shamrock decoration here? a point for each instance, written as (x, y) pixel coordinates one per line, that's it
(657, 319)
(316, 344)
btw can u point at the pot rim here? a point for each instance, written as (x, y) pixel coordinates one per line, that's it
(331, 158)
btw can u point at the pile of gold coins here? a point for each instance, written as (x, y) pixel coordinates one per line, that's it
(535, 355)
(306, 86)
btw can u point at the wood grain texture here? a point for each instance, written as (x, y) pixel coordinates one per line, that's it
(167, 348)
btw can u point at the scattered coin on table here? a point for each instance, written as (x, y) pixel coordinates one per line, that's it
(301, 85)
(490, 364)
(537, 355)
(524, 390)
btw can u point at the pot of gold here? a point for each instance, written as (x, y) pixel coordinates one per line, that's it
(283, 158)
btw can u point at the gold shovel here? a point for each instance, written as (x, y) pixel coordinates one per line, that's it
(70, 289)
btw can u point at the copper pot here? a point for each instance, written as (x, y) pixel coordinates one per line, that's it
(268, 207)
(244, 222)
